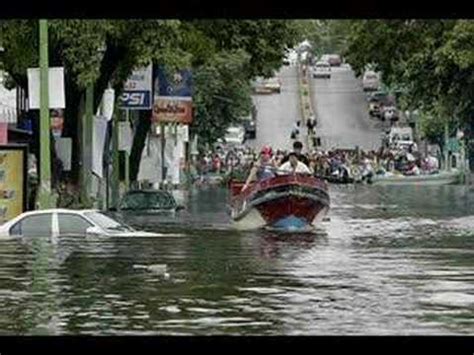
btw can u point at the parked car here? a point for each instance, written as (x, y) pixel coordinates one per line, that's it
(322, 70)
(149, 201)
(250, 124)
(370, 81)
(375, 109)
(325, 58)
(335, 60)
(377, 100)
(379, 96)
(400, 137)
(235, 136)
(390, 113)
(63, 222)
(267, 86)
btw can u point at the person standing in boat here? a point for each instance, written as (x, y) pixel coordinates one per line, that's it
(297, 149)
(294, 166)
(262, 169)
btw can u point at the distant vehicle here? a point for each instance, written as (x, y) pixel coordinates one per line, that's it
(322, 70)
(370, 81)
(390, 113)
(250, 124)
(379, 96)
(400, 137)
(63, 222)
(267, 86)
(235, 136)
(375, 109)
(335, 60)
(377, 100)
(325, 58)
(149, 201)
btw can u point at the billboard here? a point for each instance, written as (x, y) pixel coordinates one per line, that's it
(55, 86)
(13, 181)
(137, 93)
(172, 100)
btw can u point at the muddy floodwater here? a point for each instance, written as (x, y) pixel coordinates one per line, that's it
(390, 261)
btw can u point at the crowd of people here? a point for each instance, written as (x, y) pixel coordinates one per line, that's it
(336, 165)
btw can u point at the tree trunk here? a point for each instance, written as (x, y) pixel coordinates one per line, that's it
(141, 131)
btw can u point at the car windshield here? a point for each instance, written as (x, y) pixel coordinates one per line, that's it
(148, 201)
(272, 81)
(107, 223)
(371, 77)
(322, 65)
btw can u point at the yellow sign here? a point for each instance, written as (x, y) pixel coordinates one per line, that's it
(12, 176)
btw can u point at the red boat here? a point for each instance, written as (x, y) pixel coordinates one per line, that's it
(287, 202)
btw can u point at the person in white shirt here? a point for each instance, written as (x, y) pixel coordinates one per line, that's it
(293, 165)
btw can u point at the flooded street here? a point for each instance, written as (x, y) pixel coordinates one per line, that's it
(392, 260)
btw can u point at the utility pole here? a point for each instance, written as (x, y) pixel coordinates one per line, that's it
(127, 155)
(115, 161)
(446, 141)
(45, 194)
(163, 146)
(87, 130)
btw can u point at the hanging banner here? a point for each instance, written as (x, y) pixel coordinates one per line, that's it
(56, 88)
(106, 108)
(98, 145)
(125, 137)
(173, 96)
(64, 152)
(137, 90)
(13, 181)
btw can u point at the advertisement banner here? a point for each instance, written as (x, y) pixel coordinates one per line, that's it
(3, 133)
(13, 181)
(137, 93)
(173, 96)
(56, 88)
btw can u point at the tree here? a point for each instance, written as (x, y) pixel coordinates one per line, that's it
(432, 59)
(225, 56)
(92, 52)
(103, 52)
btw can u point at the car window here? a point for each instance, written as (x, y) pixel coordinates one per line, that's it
(134, 201)
(72, 224)
(107, 223)
(36, 225)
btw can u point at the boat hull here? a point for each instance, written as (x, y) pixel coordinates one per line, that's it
(288, 203)
(443, 178)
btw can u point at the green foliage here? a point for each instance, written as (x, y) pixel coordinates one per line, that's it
(224, 54)
(264, 40)
(433, 60)
(325, 36)
(222, 94)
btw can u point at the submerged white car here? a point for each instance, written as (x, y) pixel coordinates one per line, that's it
(63, 222)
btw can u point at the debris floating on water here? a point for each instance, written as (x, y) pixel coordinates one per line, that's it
(160, 269)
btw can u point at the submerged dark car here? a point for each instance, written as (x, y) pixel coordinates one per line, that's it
(148, 201)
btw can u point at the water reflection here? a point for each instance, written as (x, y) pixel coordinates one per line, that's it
(385, 263)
